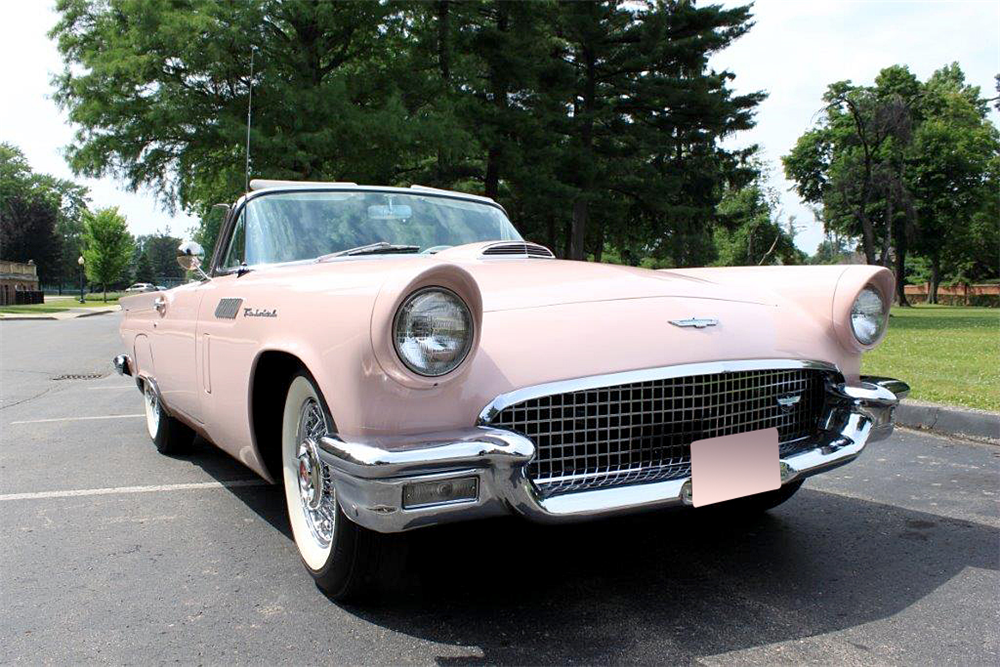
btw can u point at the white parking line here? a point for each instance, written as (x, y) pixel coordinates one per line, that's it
(117, 490)
(76, 419)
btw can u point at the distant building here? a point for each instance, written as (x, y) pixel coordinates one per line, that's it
(16, 277)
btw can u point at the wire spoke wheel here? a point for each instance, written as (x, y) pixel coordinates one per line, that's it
(317, 497)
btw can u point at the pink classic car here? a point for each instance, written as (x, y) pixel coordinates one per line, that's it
(401, 357)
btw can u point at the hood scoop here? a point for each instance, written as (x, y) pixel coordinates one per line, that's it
(517, 250)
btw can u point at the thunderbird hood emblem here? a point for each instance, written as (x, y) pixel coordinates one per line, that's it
(696, 322)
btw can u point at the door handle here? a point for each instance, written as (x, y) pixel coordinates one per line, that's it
(160, 304)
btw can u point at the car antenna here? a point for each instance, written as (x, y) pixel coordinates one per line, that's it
(249, 109)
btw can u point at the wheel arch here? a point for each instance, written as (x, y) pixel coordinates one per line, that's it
(270, 376)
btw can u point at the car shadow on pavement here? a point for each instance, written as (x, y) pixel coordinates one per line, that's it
(666, 585)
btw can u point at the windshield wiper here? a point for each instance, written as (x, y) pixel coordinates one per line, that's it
(382, 247)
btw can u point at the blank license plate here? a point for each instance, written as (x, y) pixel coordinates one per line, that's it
(733, 466)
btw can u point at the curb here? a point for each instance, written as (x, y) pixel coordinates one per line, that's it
(12, 317)
(974, 424)
(97, 312)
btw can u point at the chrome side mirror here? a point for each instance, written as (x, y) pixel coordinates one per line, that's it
(190, 255)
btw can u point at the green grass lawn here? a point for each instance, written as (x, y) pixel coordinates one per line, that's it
(947, 354)
(56, 305)
(34, 309)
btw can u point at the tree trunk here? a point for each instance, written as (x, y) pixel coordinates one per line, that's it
(498, 84)
(901, 271)
(932, 291)
(567, 239)
(105, 293)
(887, 238)
(444, 34)
(576, 250)
(599, 245)
(493, 172)
(580, 208)
(444, 65)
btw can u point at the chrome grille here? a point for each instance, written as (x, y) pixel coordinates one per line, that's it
(642, 431)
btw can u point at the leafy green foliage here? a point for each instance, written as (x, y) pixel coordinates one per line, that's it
(144, 270)
(39, 217)
(906, 166)
(159, 251)
(108, 247)
(753, 235)
(596, 124)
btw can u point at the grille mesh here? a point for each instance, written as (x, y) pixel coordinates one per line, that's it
(642, 432)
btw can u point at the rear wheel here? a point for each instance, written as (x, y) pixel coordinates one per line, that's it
(343, 557)
(168, 434)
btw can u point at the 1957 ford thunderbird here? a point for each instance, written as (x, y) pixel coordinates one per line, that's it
(401, 357)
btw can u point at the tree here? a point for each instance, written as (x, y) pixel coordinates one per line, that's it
(39, 217)
(596, 124)
(903, 166)
(833, 249)
(953, 177)
(108, 247)
(28, 215)
(144, 270)
(752, 233)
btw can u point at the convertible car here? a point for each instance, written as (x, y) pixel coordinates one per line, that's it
(401, 357)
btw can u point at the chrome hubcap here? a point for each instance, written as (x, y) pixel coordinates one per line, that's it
(316, 493)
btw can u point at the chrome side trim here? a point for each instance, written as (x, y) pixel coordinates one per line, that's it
(644, 375)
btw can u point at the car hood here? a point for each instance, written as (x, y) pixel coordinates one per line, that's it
(509, 284)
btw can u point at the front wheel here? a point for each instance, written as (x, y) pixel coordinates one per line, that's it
(343, 557)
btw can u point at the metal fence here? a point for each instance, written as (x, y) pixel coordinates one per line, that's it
(987, 294)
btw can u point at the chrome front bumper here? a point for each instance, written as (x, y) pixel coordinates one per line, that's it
(370, 476)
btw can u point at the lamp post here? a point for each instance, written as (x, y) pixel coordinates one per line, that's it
(81, 263)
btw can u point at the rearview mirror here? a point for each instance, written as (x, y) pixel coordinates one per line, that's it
(190, 255)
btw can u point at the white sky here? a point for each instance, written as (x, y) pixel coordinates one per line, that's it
(794, 51)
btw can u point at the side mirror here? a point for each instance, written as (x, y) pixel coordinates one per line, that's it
(190, 255)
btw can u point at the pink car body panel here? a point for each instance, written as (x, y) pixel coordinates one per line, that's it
(537, 321)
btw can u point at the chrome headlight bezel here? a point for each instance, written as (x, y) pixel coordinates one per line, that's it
(405, 310)
(868, 325)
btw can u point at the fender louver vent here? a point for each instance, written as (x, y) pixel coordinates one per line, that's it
(518, 250)
(227, 308)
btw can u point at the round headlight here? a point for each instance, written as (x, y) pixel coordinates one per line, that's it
(432, 331)
(868, 316)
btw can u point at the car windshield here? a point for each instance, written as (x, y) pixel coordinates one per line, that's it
(294, 226)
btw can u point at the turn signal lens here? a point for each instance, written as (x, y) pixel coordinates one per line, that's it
(443, 492)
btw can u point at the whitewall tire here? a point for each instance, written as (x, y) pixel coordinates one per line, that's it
(342, 557)
(168, 434)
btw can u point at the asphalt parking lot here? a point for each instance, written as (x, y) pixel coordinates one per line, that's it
(112, 553)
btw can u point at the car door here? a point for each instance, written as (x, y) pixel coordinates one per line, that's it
(173, 345)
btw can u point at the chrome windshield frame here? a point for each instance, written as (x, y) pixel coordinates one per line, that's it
(229, 224)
